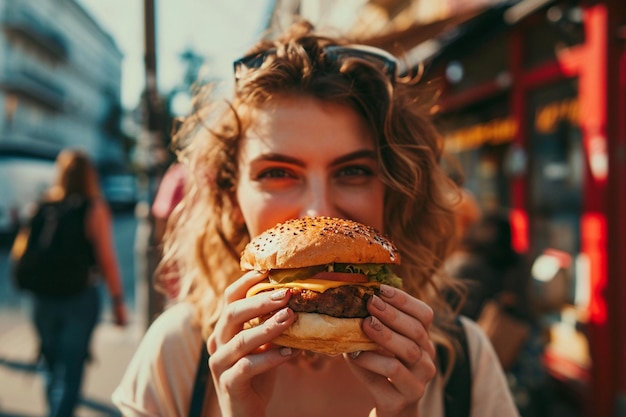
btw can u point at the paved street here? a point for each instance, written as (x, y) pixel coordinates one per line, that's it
(21, 384)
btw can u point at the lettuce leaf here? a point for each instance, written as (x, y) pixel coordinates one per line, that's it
(374, 272)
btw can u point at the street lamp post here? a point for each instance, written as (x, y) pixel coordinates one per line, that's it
(152, 158)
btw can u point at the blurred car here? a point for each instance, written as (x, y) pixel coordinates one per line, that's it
(120, 191)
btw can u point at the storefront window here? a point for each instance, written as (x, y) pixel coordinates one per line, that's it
(556, 168)
(560, 274)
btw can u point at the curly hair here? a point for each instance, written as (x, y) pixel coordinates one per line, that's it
(205, 236)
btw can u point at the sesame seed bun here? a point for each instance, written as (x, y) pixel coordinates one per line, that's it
(317, 241)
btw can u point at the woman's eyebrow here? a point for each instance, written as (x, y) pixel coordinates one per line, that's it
(277, 157)
(361, 154)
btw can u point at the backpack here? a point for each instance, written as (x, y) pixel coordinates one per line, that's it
(58, 256)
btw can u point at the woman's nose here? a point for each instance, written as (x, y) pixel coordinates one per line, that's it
(318, 202)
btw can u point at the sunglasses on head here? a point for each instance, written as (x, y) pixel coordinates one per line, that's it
(377, 57)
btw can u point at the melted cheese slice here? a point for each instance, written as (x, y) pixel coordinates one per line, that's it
(317, 285)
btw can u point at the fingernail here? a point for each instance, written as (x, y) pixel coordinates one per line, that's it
(279, 295)
(282, 315)
(386, 290)
(355, 355)
(378, 303)
(375, 323)
(286, 351)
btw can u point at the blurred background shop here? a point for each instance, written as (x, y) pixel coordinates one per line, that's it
(533, 105)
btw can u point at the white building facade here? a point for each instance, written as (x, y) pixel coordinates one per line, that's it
(60, 80)
(60, 87)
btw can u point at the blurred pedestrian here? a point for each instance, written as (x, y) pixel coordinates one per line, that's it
(72, 216)
(498, 283)
(487, 261)
(169, 194)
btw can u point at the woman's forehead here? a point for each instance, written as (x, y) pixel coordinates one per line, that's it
(305, 122)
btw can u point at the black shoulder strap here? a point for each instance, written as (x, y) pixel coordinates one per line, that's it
(458, 390)
(199, 385)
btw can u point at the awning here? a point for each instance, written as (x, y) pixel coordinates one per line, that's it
(424, 43)
(399, 42)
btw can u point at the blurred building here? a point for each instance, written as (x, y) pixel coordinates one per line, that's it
(533, 104)
(60, 86)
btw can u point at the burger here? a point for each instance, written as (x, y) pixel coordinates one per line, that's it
(331, 267)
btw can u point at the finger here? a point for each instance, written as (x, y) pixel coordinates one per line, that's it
(374, 378)
(378, 368)
(238, 289)
(250, 366)
(389, 380)
(408, 304)
(400, 322)
(413, 308)
(404, 348)
(247, 342)
(239, 312)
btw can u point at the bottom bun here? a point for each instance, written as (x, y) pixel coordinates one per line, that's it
(325, 334)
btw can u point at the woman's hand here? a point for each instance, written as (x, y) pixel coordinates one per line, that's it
(120, 314)
(243, 360)
(398, 376)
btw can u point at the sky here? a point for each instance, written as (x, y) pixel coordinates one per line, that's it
(219, 29)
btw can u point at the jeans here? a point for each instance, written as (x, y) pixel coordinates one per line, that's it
(65, 327)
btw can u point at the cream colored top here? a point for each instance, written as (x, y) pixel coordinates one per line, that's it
(160, 377)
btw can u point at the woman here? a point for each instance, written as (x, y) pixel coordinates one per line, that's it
(315, 127)
(495, 272)
(64, 317)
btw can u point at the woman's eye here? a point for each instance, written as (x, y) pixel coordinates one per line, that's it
(274, 173)
(355, 171)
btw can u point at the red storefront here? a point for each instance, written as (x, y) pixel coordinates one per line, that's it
(534, 108)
